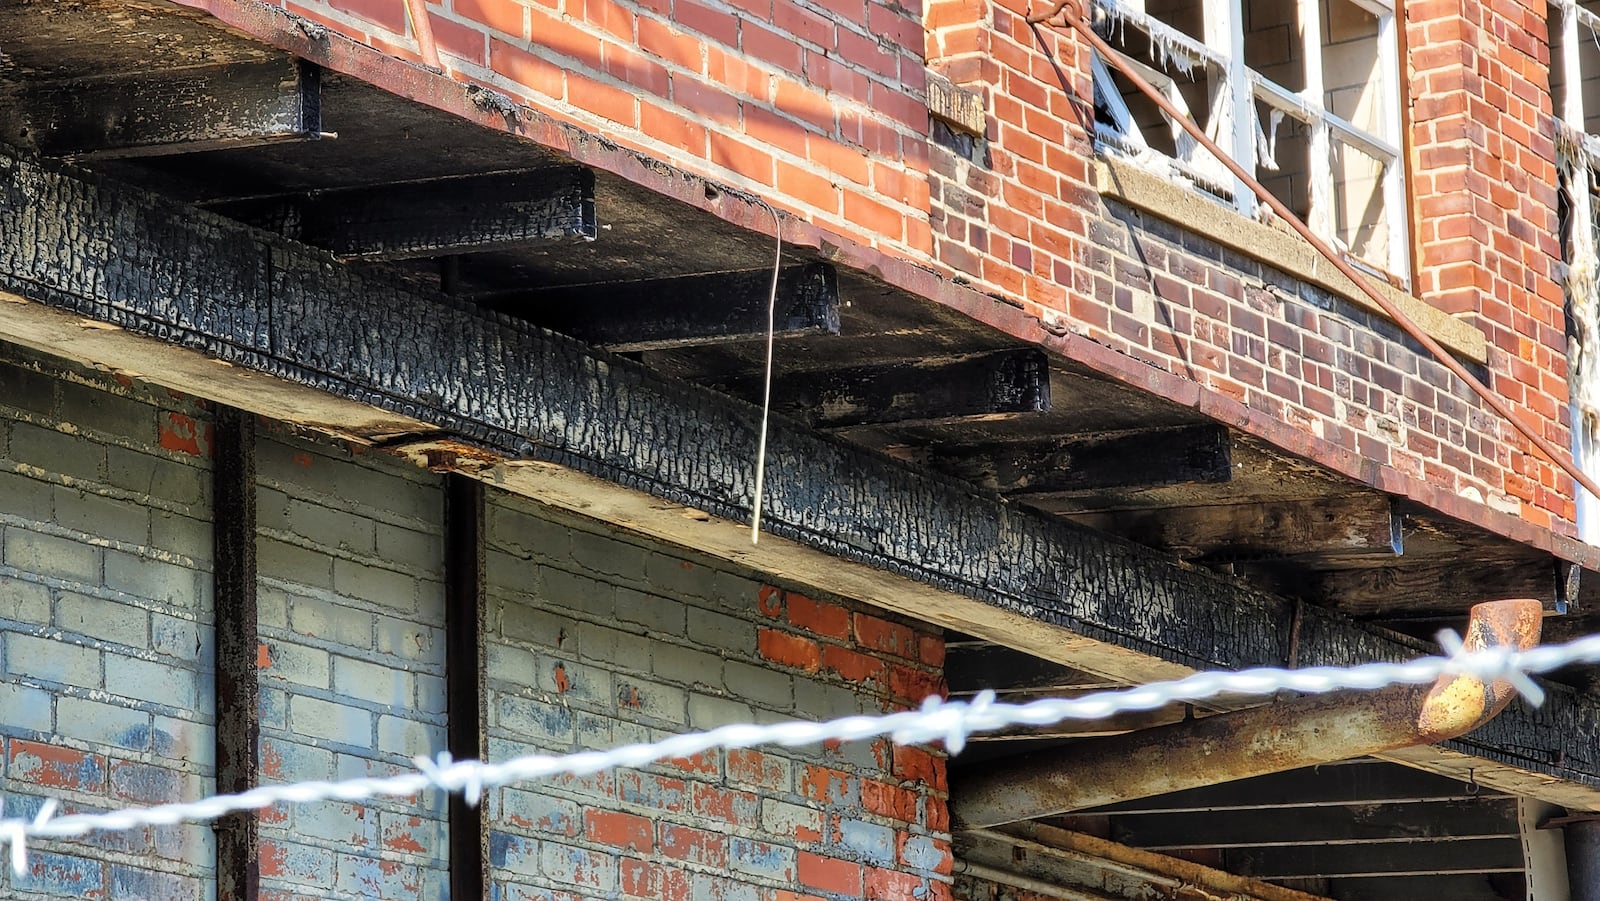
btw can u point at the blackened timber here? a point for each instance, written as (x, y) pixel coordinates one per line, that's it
(1344, 824)
(1337, 785)
(164, 112)
(1495, 855)
(464, 669)
(659, 314)
(1449, 585)
(79, 246)
(408, 220)
(1084, 463)
(233, 524)
(1326, 527)
(982, 387)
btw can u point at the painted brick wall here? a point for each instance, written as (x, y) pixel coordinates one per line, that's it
(105, 546)
(596, 641)
(820, 107)
(351, 664)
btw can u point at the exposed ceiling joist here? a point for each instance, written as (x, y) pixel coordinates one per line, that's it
(1327, 825)
(660, 314)
(1493, 855)
(435, 217)
(1338, 785)
(1363, 525)
(1075, 464)
(212, 107)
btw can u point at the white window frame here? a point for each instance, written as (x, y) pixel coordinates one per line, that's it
(1233, 124)
(1579, 153)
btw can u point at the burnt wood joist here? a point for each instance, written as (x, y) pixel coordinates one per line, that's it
(263, 304)
(1069, 465)
(1356, 526)
(667, 313)
(214, 107)
(437, 217)
(975, 388)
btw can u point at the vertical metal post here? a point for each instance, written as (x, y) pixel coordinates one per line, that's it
(464, 668)
(1583, 859)
(233, 524)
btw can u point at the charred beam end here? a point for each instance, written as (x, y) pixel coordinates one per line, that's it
(1450, 585)
(237, 689)
(1085, 463)
(1325, 528)
(432, 218)
(167, 112)
(464, 695)
(990, 386)
(659, 314)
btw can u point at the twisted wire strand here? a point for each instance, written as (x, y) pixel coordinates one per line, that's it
(948, 721)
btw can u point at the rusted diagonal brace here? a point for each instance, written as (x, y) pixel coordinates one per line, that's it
(1071, 13)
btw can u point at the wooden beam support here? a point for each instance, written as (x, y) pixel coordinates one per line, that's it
(1356, 783)
(1363, 526)
(310, 340)
(1344, 824)
(163, 112)
(1495, 855)
(433, 218)
(1451, 584)
(464, 668)
(660, 314)
(238, 691)
(990, 386)
(1077, 464)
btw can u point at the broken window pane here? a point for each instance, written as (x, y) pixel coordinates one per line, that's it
(1360, 225)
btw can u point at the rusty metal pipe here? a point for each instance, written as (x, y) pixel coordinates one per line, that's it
(422, 27)
(1253, 742)
(1072, 15)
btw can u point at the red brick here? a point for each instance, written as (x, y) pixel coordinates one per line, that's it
(789, 650)
(852, 666)
(387, 14)
(639, 879)
(684, 50)
(183, 434)
(889, 801)
(670, 126)
(829, 874)
(503, 16)
(619, 830)
(527, 69)
(883, 883)
(824, 784)
(758, 769)
(877, 634)
(818, 617)
(916, 764)
(693, 845)
(53, 766)
(736, 808)
(458, 40)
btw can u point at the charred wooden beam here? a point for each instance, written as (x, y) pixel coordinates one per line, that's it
(1328, 527)
(658, 314)
(972, 668)
(436, 217)
(1084, 463)
(923, 544)
(1452, 584)
(168, 111)
(464, 668)
(238, 691)
(1455, 886)
(990, 386)
(1343, 824)
(1496, 855)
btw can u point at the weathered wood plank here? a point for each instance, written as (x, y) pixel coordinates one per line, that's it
(434, 218)
(1454, 583)
(169, 111)
(1364, 525)
(1356, 783)
(658, 314)
(1498, 855)
(919, 543)
(990, 386)
(1082, 463)
(238, 691)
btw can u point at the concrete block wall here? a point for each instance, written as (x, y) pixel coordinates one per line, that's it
(596, 640)
(351, 661)
(105, 611)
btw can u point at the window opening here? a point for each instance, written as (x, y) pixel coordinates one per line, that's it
(1305, 94)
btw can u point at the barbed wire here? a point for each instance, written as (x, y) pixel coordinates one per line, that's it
(936, 720)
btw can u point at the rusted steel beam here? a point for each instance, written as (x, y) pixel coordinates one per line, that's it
(464, 669)
(1253, 742)
(469, 214)
(659, 314)
(1005, 384)
(238, 735)
(166, 112)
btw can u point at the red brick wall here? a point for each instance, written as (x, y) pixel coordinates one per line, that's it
(1486, 206)
(820, 107)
